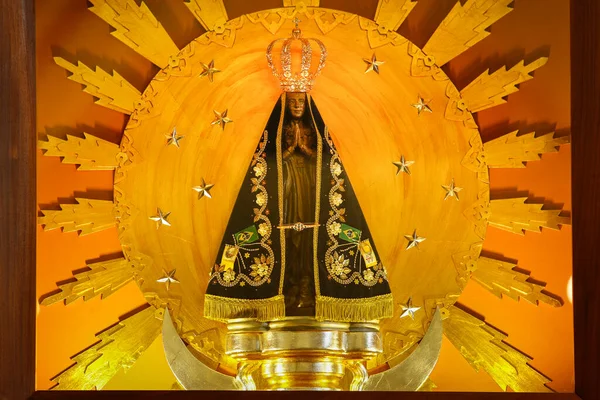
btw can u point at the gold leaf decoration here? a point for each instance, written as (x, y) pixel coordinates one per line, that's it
(210, 13)
(89, 153)
(137, 27)
(489, 90)
(500, 278)
(512, 151)
(272, 20)
(391, 14)
(379, 36)
(88, 216)
(463, 27)
(300, 3)
(514, 215)
(112, 91)
(328, 20)
(118, 348)
(484, 348)
(225, 37)
(103, 278)
(479, 213)
(465, 263)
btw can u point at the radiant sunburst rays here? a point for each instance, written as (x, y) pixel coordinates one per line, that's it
(465, 25)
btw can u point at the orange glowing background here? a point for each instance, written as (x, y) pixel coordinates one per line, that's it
(535, 28)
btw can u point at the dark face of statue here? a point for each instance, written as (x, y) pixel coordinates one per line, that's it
(296, 104)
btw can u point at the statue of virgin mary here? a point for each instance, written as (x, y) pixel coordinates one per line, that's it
(297, 242)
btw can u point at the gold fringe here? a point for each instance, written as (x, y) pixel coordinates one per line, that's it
(224, 308)
(354, 310)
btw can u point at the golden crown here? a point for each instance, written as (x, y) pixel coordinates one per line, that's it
(294, 81)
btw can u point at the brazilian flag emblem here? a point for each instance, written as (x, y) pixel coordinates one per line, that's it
(350, 234)
(246, 236)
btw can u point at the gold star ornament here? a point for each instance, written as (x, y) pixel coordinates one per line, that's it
(221, 119)
(413, 240)
(409, 310)
(403, 165)
(372, 64)
(161, 218)
(203, 190)
(422, 106)
(209, 70)
(174, 138)
(168, 278)
(452, 190)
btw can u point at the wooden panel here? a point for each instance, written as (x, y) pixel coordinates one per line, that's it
(585, 109)
(176, 395)
(17, 199)
(17, 202)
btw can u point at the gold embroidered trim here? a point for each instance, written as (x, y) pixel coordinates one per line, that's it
(354, 310)
(224, 308)
(317, 197)
(279, 156)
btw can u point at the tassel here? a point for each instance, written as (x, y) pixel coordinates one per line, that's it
(354, 310)
(224, 308)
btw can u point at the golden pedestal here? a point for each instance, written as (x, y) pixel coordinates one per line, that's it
(300, 353)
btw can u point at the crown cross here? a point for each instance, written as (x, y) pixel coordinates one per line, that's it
(296, 78)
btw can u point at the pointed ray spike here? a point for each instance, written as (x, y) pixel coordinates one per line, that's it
(489, 90)
(391, 14)
(137, 27)
(308, 3)
(103, 278)
(90, 153)
(500, 278)
(463, 27)
(514, 215)
(512, 151)
(484, 347)
(112, 91)
(210, 13)
(118, 348)
(88, 216)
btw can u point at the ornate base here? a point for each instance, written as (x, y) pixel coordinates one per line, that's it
(300, 353)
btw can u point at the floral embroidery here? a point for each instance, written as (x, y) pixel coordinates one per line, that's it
(261, 199)
(229, 275)
(340, 265)
(260, 268)
(335, 228)
(336, 199)
(368, 275)
(336, 169)
(263, 229)
(259, 170)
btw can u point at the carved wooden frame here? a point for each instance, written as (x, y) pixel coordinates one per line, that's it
(18, 215)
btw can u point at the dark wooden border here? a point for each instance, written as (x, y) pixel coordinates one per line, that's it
(17, 199)
(18, 225)
(585, 127)
(174, 395)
